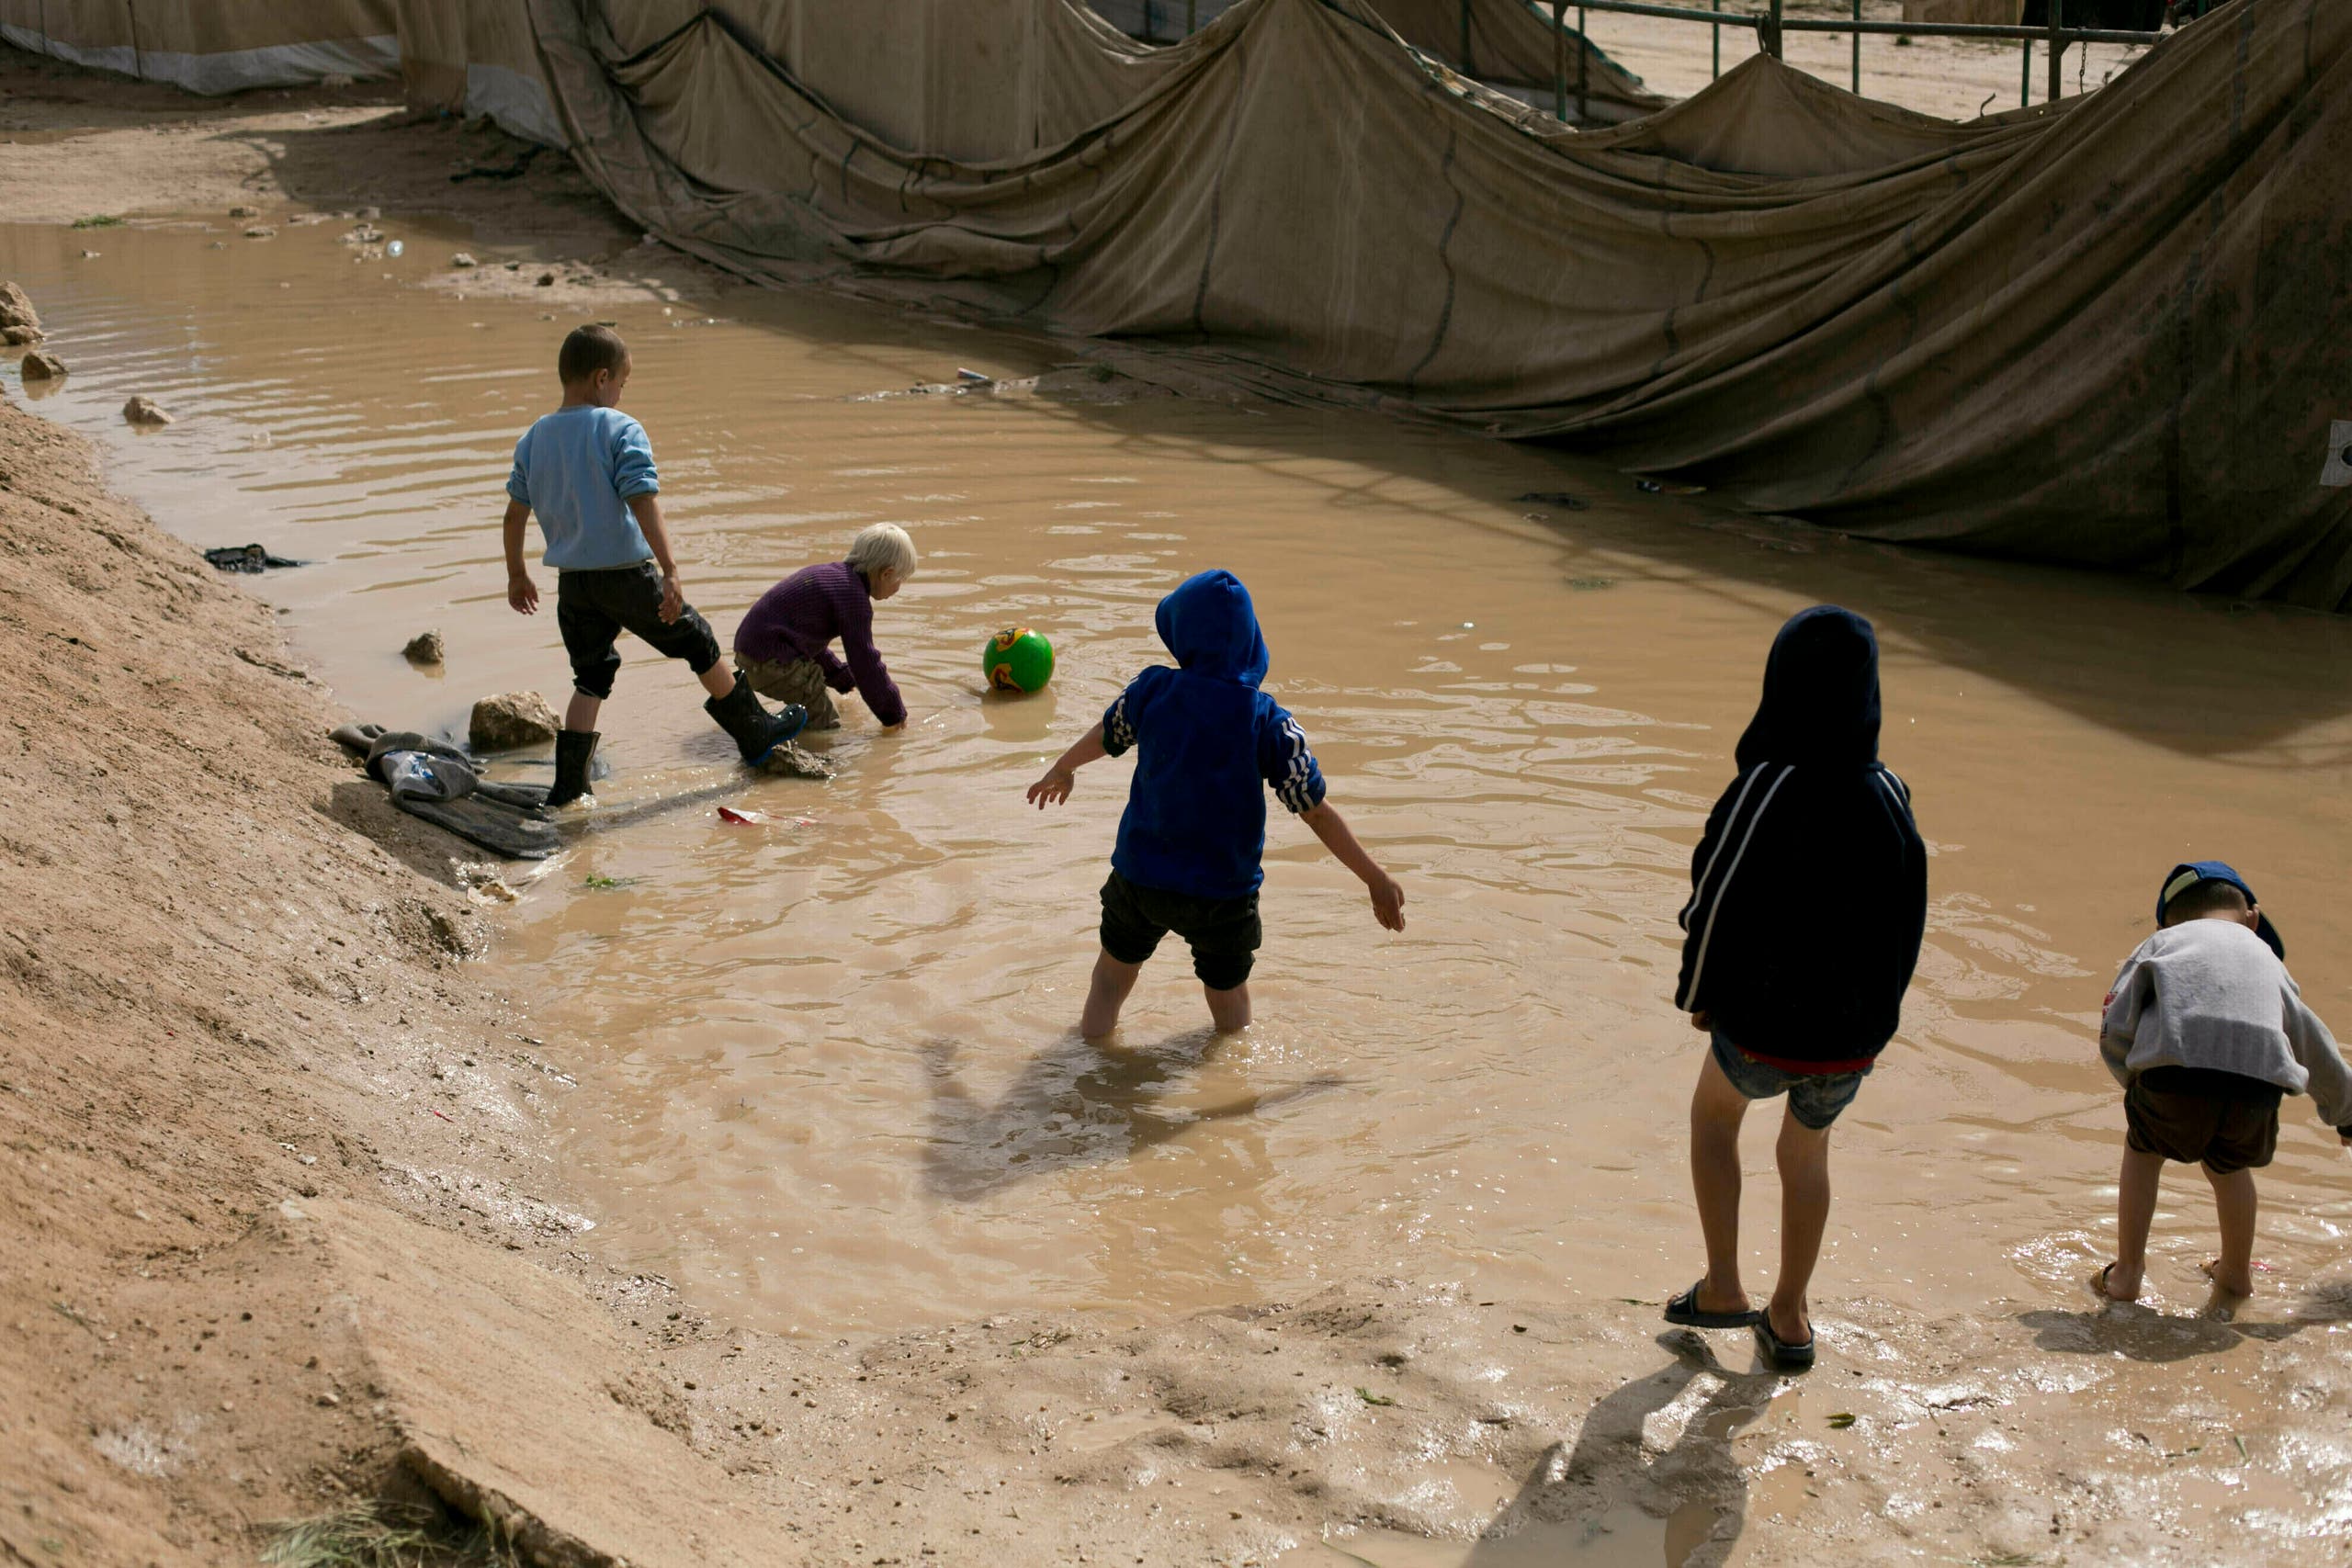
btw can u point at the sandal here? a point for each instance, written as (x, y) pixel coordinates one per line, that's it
(1685, 1311)
(1779, 1354)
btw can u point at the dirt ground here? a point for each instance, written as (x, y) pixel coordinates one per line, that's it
(282, 1235)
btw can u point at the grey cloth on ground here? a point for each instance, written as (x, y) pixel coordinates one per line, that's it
(436, 782)
(798, 680)
(795, 760)
(2210, 994)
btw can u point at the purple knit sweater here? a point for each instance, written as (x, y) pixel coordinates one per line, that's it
(798, 618)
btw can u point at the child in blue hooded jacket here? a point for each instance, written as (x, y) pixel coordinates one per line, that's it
(1792, 1007)
(1209, 744)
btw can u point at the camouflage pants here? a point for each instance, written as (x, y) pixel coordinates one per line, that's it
(801, 681)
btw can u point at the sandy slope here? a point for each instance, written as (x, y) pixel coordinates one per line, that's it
(280, 1227)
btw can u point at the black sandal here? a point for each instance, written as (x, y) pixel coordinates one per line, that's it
(1779, 1354)
(1684, 1312)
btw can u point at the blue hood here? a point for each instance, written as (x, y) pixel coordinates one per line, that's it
(1820, 703)
(1210, 626)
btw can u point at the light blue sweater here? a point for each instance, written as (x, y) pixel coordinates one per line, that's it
(577, 469)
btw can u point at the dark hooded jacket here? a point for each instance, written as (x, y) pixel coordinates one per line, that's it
(1209, 744)
(1809, 891)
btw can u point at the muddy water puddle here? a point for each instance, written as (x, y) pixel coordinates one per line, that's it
(827, 1074)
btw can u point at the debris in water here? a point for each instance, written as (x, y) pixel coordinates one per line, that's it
(1371, 1398)
(1558, 498)
(144, 411)
(89, 256)
(728, 814)
(425, 648)
(546, 280)
(251, 559)
(606, 884)
(261, 231)
(396, 247)
(972, 378)
(1655, 487)
(463, 259)
(40, 367)
(511, 720)
(244, 212)
(1843, 1419)
(1587, 583)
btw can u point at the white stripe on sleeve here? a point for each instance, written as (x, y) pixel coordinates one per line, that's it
(1707, 929)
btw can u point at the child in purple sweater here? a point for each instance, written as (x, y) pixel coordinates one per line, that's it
(782, 644)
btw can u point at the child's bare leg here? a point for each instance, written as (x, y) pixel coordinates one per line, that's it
(1229, 1010)
(1716, 1110)
(718, 680)
(1804, 1157)
(2135, 1210)
(1106, 995)
(2234, 1196)
(580, 713)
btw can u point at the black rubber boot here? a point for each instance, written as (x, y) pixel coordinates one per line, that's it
(755, 731)
(573, 751)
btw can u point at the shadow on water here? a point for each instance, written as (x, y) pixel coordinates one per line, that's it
(2142, 1333)
(1072, 1104)
(1576, 1496)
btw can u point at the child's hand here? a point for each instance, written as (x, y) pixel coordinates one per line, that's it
(1388, 903)
(522, 592)
(674, 600)
(1053, 789)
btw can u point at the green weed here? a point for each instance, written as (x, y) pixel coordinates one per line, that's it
(1371, 1398)
(606, 884)
(101, 222)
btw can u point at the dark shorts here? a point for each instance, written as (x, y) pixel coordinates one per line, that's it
(593, 608)
(2224, 1121)
(1815, 1098)
(1224, 933)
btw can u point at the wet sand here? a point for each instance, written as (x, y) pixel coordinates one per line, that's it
(825, 1076)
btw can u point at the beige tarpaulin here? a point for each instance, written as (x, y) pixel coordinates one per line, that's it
(214, 46)
(2112, 332)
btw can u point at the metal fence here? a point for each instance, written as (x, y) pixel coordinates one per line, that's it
(1771, 25)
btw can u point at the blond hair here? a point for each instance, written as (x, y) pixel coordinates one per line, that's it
(879, 548)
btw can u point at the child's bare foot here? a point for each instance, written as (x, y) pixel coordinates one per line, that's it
(2240, 1286)
(2116, 1285)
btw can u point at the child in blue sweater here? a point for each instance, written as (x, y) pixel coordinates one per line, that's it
(1209, 744)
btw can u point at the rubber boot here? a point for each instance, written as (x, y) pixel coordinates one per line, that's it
(573, 751)
(755, 731)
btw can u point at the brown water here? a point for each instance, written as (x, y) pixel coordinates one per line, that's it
(827, 1076)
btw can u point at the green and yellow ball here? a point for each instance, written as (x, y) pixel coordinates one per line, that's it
(1017, 659)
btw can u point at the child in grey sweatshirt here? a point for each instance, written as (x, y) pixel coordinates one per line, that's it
(2206, 1030)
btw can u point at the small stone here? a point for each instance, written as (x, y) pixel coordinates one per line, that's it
(510, 720)
(463, 259)
(40, 367)
(425, 648)
(330, 1400)
(244, 212)
(144, 411)
(546, 280)
(17, 315)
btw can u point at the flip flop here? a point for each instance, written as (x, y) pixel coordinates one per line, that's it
(1684, 1312)
(1779, 1354)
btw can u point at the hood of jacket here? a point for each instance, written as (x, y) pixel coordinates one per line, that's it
(1820, 706)
(1210, 626)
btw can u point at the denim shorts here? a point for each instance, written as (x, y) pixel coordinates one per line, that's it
(1815, 1098)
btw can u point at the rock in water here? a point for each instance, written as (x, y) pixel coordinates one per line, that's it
(795, 760)
(19, 322)
(511, 720)
(425, 648)
(143, 410)
(40, 366)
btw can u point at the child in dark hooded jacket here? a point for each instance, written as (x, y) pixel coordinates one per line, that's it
(1209, 744)
(1793, 1004)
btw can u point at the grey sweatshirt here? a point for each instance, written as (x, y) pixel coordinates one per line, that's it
(2210, 994)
